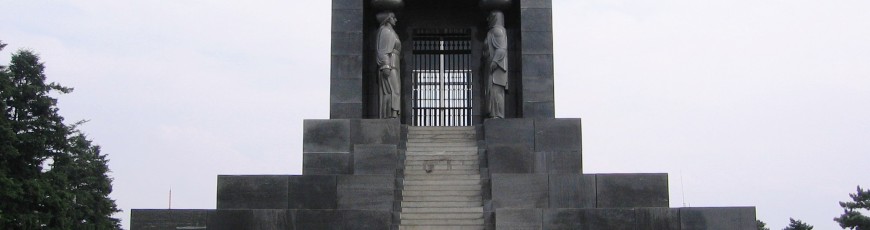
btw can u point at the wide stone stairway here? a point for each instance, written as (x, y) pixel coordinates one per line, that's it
(442, 187)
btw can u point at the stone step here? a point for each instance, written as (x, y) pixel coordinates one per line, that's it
(456, 132)
(441, 182)
(441, 198)
(441, 204)
(441, 140)
(429, 216)
(466, 157)
(442, 162)
(442, 227)
(414, 194)
(437, 167)
(442, 187)
(442, 177)
(440, 153)
(463, 136)
(442, 210)
(442, 148)
(443, 172)
(441, 144)
(443, 222)
(440, 127)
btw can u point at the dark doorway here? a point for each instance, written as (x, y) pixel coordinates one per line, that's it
(442, 76)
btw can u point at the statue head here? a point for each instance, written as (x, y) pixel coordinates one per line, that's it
(496, 18)
(386, 17)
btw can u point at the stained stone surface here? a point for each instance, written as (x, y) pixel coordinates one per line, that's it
(375, 131)
(632, 190)
(158, 219)
(657, 218)
(267, 219)
(564, 162)
(375, 159)
(519, 219)
(589, 219)
(510, 158)
(327, 163)
(313, 192)
(510, 131)
(366, 192)
(252, 192)
(326, 136)
(742, 218)
(562, 134)
(572, 191)
(519, 191)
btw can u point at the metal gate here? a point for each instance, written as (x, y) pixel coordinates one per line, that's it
(442, 77)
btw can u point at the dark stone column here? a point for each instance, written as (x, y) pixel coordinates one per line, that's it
(536, 28)
(346, 81)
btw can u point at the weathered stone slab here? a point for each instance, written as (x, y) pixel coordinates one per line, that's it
(375, 159)
(537, 66)
(519, 219)
(632, 190)
(376, 131)
(267, 219)
(539, 109)
(589, 219)
(252, 192)
(327, 163)
(313, 192)
(564, 162)
(510, 131)
(347, 4)
(343, 219)
(538, 88)
(368, 192)
(347, 43)
(326, 136)
(657, 218)
(536, 19)
(346, 67)
(345, 90)
(345, 110)
(537, 42)
(558, 134)
(742, 218)
(347, 20)
(572, 191)
(158, 219)
(510, 158)
(519, 191)
(536, 4)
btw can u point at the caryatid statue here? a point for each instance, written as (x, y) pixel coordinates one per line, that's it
(389, 48)
(496, 72)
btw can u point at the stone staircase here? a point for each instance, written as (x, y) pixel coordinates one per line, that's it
(442, 187)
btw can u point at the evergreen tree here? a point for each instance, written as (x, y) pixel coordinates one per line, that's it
(852, 217)
(761, 225)
(51, 176)
(797, 225)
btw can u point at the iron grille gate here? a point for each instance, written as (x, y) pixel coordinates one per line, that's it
(442, 77)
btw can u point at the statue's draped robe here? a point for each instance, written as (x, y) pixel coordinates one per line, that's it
(496, 74)
(389, 48)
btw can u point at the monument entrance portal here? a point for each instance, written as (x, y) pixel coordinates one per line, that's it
(442, 77)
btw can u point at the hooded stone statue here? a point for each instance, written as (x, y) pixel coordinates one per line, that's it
(388, 49)
(495, 54)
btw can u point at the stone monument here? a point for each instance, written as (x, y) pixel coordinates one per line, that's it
(437, 161)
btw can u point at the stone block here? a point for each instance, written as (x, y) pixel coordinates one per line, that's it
(345, 110)
(368, 192)
(564, 162)
(539, 109)
(632, 190)
(347, 4)
(538, 89)
(252, 192)
(536, 19)
(347, 43)
(657, 218)
(742, 218)
(376, 131)
(345, 90)
(326, 136)
(562, 134)
(510, 158)
(375, 159)
(524, 4)
(519, 219)
(158, 219)
(510, 131)
(589, 219)
(313, 192)
(343, 219)
(347, 20)
(537, 65)
(346, 67)
(327, 163)
(519, 191)
(272, 219)
(537, 42)
(572, 191)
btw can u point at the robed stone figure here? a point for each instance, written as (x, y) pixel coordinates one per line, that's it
(495, 65)
(388, 49)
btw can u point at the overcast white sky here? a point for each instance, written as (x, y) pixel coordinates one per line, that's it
(743, 102)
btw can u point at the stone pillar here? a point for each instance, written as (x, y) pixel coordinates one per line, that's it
(346, 75)
(536, 18)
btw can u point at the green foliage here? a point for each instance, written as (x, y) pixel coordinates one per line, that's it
(852, 217)
(761, 225)
(797, 225)
(51, 176)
